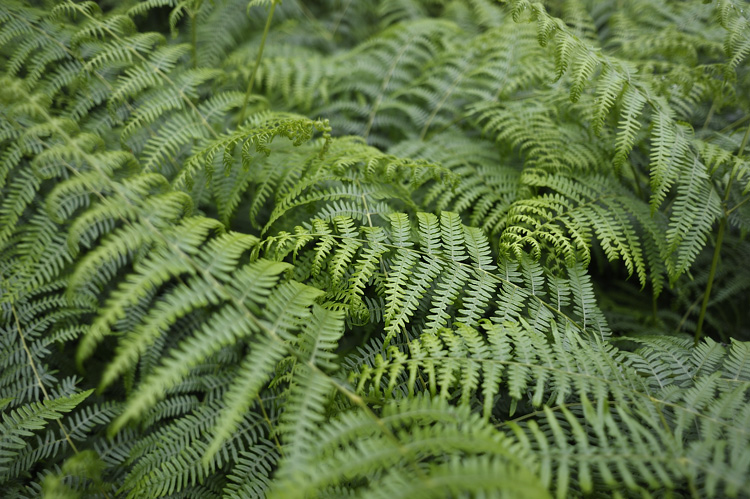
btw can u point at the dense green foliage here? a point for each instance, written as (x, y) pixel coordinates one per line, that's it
(405, 248)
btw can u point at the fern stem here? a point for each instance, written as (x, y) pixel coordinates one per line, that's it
(710, 114)
(193, 39)
(341, 18)
(744, 143)
(735, 123)
(36, 374)
(686, 315)
(638, 188)
(714, 105)
(41, 385)
(738, 205)
(712, 274)
(271, 428)
(717, 248)
(257, 62)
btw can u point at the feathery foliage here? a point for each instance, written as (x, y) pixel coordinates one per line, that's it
(408, 248)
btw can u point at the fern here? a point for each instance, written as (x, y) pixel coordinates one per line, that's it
(415, 248)
(464, 366)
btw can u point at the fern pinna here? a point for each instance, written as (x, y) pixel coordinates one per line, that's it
(379, 249)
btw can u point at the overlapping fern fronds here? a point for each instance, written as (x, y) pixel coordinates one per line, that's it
(382, 249)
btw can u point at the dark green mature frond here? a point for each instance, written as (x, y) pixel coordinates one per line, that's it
(162, 468)
(33, 396)
(21, 423)
(486, 189)
(571, 213)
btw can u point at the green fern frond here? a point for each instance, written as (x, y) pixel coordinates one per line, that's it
(23, 421)
(447, 274)
(575, 428)
(431, 427)
(251, 475)
(430, 296)
(566, 220)
(632, 104)
(234, 323)
(695, 209)
(308, 398)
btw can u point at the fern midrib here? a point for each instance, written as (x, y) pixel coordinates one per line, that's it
(45, 394)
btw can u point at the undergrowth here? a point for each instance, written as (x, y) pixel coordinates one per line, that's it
(405, 248)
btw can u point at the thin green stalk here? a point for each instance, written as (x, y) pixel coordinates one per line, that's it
(38, 377)
(717, 248)
(637, 182)
(341, 17)
(711, 276)
(271, 429)
(193, 39)
(714, 105)
(257, 62)
(710, 114)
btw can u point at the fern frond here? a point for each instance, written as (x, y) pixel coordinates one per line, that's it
(181, 456)
(447, 257)
(230, 324)
(695, 209)
(566, 220)
(571, 380)
(308, 398)
(250, 477)
(252, 374)
(437, 303)
(632, 104)
(23, 421)
(408, 432)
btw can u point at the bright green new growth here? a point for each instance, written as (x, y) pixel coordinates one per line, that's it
(378, 249)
